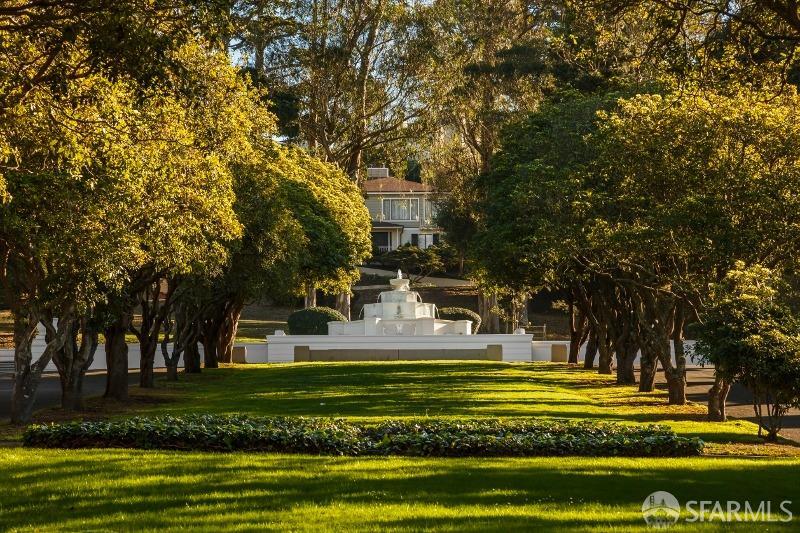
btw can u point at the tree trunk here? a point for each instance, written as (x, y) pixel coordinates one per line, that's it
(494, 315)
(209, 335)
(655, 315)
(72, 362)
(591, 351)
(487, 307)
(24, 395)
(172, 373)
(578, 331)
(523, 314)
(604, 346)
(676, 375)
(146, 372)
(227, 331)
(625, 344)
(343, 303)
(311, 296)
(191, 359)
(154, 312)
(717, 396)
(210, 359)
(676, 386)
(25, 378)
(626, 375)
(604, 363)
(117, 357)
(27, 374)
(648, 365)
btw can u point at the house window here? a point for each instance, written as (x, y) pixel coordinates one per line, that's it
(433, 210)
(435, 238)
(401, 209)
(381, 241)
(415, 239)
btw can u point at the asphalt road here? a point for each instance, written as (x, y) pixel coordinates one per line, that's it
(739, 404)
(49, 392)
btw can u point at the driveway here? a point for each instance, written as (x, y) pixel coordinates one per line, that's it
(739, 404)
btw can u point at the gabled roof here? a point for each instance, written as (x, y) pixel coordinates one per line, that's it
(379, 185)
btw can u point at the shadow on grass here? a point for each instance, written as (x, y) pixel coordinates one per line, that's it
(155, 490)
(373, 391)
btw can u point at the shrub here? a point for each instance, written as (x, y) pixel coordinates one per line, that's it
(415, 261)
(752, 338)
(461, 313)
(430, 437)
(313, 321)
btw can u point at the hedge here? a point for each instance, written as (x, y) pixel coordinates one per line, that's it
(461, 313)
(313, 321)
(429, 437)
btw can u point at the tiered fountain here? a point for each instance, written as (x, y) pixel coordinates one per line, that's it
(400, 312)
(399, 326)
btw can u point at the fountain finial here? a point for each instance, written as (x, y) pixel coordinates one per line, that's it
(399, 283)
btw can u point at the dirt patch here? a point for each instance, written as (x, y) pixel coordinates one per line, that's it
(103, 408)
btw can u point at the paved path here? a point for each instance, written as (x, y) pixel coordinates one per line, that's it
(739, 404)
(438, 282)
(49, 392)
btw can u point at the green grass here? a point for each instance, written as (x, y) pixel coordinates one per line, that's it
(136, 490)
(438, 389)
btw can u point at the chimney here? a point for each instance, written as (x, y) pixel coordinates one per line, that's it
(377, 172)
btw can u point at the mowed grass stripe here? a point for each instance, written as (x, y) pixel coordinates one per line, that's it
(374, 390)
(143, 490)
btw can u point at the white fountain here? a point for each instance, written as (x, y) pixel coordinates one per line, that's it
(399, 326)
(400, 312)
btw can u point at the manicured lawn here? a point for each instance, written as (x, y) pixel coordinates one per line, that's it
(436, 389)
(79, 490)
(156, 490)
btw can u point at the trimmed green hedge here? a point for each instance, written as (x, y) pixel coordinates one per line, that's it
(430, 437)
(313, 321)
(461, 313)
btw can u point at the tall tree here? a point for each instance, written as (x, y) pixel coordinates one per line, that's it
(185, 216)
(349, 64)
(62, 233)
(47, 43)
(640, 205)
(304, 223)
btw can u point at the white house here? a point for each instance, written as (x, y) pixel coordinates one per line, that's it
(402, 211)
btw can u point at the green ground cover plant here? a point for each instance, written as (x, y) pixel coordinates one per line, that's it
(429, 437)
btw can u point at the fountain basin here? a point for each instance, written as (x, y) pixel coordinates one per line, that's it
(302, 348)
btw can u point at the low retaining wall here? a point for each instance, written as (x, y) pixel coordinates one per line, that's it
(493, 352)
(281, 348)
